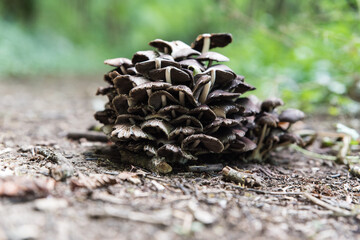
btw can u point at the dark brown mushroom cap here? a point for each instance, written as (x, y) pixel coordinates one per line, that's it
(192, 64)
(202, 142)
(134, 146)
(108, 77)
(104, 90)
(221, 95)
(157, 128)
(129, 119)
(212, 56)
(150, 150)
(131, 71)
(216, 40)
(156, 99)
(140, 109)
(173, 110)
(126, 132)
(225, 135)
(200, 82)
(269, 104)
(158, 116)
(181, 131)
(242, 144)
(142, 56)
(106, 116)
(181, 50)
(117, 62)
(290, 138)
(268, 119)
(146, 66)
(120, 104)
(224, 108)
(177, 75)
(238, 86)
(177, 90)
(249, 107)
(173, 153)
(239, 132)
(140, 93)
(223, 75)
(186, 120)
(124, 83)
(162, 45)
(220, 122)
(291, 115)
(203, 113)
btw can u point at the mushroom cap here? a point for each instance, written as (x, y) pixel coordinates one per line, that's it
(249, 107)
(173, 109)
(106, 116)
(146, 66)
(124, 83)
(216, 40)
(224, 108)
(221, 95)
(203, 113)
(120, 104)
(200, 81)
(220, 122)
(185, 131)
(291, 138)
(126, 118)
(269, 104)
(173, 153)
(242, 144)
(268, 119)
(239, 86)
(126, 132)
(104, 90)
(291, 115)
(117, 62)
(175, 91)
(155, 99)
(225, 135)
(140, 94)
(142, 56)
(177, 49)
(186, 120)
(191, 64)
(177, 75)
(157, 128)
(223, 74)
(212, 56)
(207, 142)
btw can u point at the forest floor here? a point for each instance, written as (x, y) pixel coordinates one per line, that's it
(107, 199)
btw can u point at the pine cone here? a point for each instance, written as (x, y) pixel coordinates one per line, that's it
(177, 105)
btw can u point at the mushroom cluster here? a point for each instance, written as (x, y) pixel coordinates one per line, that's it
(178, 103)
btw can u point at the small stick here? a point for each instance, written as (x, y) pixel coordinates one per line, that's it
(206, 168)
(90, 136)
(240, 177)
(64, 169)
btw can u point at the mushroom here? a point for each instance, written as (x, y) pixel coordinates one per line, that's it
(202, 142)
(126, 132)
(192, 64)
(142, 56)
(212, 56)
(270, 104)
(220, 122)
(184, 94)
(146, 66)
(249, 107)
(206, 41)
(239, 86)
(173, 110)
(170, 74)
(124, 83)
(221, 95)
(290, 116)
(120, 104)
(177, 49)
(160, 99)
(224, 108)
(129, 118)
(106, 116)
(173, 153)
(242, 144)
(201, 81)
(158, 128)
(265, 120)
(121, 63)
(179, 133)
(226, 136)
(141, 93)
(203, 113)
(186, 120)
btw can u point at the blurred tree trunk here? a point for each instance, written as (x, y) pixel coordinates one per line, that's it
(19, 10)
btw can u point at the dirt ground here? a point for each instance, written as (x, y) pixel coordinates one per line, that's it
(106, 199)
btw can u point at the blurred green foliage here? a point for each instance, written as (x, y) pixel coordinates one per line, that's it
(306, 52)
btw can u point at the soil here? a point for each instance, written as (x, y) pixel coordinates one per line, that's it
(108, 199)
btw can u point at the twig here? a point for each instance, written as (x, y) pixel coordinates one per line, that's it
(206, 168)
(240, 177)
(312, 154)
(63, 170)
(90, 136)
(323, 204)
(264, 192)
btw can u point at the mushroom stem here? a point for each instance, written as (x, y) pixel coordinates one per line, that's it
(131, 120)
(166, 50)
(188, 122)
(149, 92)
(157, 63)
(210, 63)
(182, 98)
(168, 75)
(123, 69)
(206, 45)
(256, 153)
(205, 92)
(173, 113)
(163, 100)
(195, 144)
(196, 70)
(213, 76)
